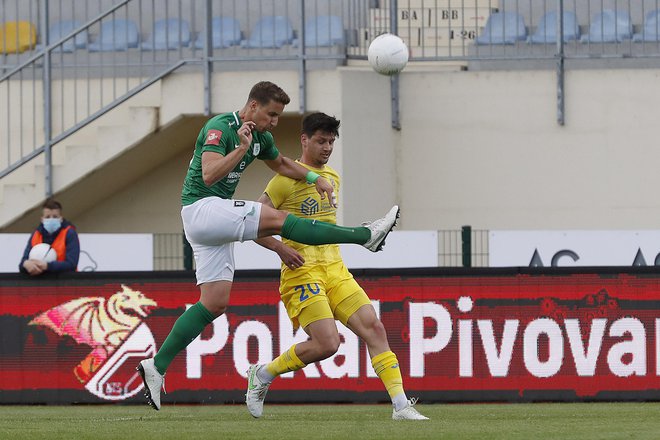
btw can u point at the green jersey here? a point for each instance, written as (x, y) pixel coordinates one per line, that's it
(220, 134)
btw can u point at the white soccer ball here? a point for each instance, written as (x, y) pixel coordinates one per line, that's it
(43, 252)
(388, 54)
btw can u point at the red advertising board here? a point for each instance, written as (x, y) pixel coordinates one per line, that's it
(460, 335)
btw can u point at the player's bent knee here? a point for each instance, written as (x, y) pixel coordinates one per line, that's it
(329, 347)
(271, 221)
(378, 331)
(217, 310)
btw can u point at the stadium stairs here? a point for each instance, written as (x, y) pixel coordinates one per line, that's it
(103, 156)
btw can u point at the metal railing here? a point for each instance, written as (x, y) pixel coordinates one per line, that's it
(117, 49)
(172, 252)
(466, 247)
(52, 86)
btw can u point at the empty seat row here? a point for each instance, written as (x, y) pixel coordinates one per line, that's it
(173, 33)
(608, 26)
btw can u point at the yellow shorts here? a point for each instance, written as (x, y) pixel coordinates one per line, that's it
(331, 290)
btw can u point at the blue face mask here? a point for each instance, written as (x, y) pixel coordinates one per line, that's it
(51, 224)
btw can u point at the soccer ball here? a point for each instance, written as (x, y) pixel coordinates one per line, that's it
(43, 252)
(388, 54)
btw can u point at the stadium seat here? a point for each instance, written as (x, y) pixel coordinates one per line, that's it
(270, 32)
(64, 28)
(609, 26)
(546, 32)
(324, 31)
(225, 32)
(17, 36)
(651, 29)
(503, 28)
(116, 35)
(168, 34)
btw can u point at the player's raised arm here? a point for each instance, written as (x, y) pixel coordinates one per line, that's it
(215, 166)
(289, 168)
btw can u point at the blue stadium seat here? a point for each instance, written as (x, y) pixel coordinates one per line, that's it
(64, 28)
(116, 35)
(271, 32)
(546, 32)
(225, 32)
(168, 34)
(324, 31)
(651, 30)
(609, 26)
(503, 28)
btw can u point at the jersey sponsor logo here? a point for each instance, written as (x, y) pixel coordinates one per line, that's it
(115, 331)
(256, 149)
(309, 206)
(234, 176)
(239, 203)
(213, 137)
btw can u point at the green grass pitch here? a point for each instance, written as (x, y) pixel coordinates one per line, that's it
(448, 421)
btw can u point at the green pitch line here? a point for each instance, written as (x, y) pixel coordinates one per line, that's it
(458, 421)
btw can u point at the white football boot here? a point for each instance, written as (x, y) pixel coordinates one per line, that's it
(380, 228)
(256, 391)
(153, 382)
(408, 413)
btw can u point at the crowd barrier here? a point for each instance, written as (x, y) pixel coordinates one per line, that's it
(491, 334)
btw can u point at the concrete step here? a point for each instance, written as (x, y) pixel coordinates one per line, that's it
(21, 197)
(81, 153)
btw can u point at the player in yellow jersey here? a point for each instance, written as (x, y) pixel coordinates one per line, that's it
(315, 285)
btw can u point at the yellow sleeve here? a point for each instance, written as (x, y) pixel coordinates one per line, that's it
(278, 189)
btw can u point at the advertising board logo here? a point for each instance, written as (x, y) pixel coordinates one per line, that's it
(115, 331)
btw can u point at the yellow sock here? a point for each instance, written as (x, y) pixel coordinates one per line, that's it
(386, 367)
(287, 361)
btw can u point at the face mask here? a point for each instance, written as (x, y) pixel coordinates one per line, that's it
(51, 224)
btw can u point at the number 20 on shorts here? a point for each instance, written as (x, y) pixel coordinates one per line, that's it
(311, 288)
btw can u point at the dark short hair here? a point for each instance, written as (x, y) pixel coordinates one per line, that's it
(265, 91)
(51, 203)
(318, 121)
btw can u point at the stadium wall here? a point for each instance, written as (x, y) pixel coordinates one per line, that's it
(509, 334)
(476, 147)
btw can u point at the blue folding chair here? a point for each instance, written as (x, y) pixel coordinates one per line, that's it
(546, 32)
(503, 28)
(64, 28)
(609, 26)
(116, 35)
(651, 29)
(168, 34)
(324, 31)
(271, 32)
(225, 32)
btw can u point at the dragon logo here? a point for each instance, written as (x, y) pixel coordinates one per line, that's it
(116, 333)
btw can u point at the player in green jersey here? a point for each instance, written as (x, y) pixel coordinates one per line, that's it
(213, 221)
(316, 287)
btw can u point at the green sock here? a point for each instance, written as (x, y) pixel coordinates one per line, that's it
(189, 325)
(316, 232)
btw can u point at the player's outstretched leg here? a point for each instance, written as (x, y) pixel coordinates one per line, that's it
(408, 413)
(256, 391)
(153, 382)
(380, 229)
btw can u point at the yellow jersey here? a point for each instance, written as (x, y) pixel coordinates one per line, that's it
(301, 199)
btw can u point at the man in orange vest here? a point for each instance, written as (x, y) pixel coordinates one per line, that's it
(60, 234)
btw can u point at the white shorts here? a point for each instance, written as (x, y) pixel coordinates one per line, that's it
(212, 225)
